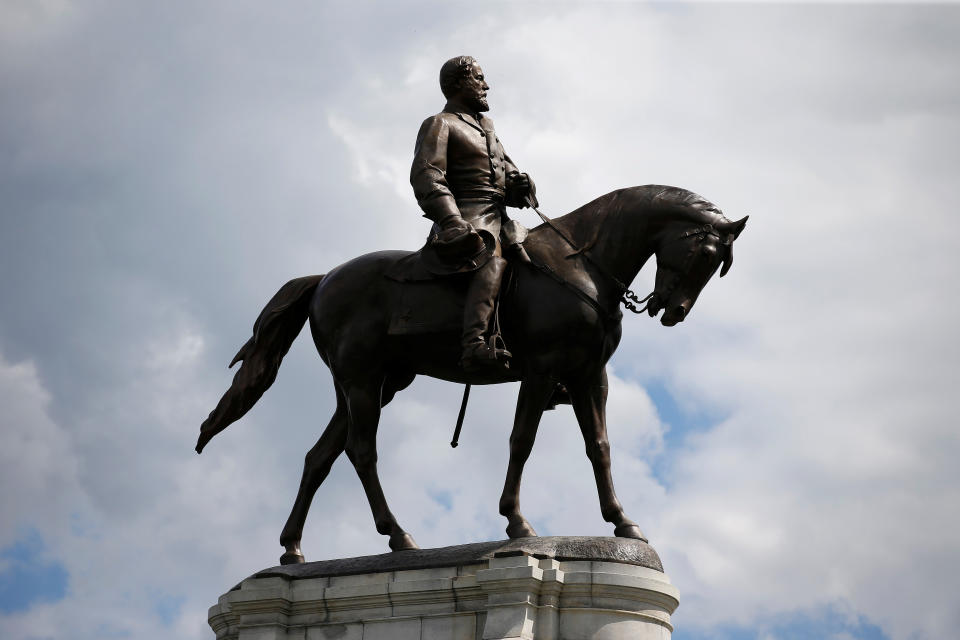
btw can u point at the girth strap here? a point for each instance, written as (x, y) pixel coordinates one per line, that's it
(580, 293)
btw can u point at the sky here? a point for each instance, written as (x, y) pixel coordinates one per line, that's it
(790, 450)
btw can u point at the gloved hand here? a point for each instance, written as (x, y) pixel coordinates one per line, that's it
(454, 221)
(523, 189)
(519, 181)
(457, 240)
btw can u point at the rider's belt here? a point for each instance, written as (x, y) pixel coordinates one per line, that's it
(485, 195)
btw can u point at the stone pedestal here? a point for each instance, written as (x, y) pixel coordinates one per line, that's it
(529, 589)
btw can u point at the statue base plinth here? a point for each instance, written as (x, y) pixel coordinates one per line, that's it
(531, 589)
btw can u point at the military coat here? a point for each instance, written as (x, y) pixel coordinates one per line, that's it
(460, 167)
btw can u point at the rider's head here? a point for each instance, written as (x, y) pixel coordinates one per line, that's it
(462, 80)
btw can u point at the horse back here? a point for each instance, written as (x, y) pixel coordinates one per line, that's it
(396, 290)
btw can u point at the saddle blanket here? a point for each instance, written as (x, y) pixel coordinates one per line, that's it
(428, 306)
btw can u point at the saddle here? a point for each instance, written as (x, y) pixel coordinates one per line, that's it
(425, 302)
(428, 297)
(432, 282)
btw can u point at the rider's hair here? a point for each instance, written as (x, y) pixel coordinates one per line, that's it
(452, 71)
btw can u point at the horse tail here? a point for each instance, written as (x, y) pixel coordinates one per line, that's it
(276, 328)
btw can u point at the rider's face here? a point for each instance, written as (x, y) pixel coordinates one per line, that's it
(473, 89)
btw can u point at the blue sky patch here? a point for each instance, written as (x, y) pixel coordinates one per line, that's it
(821, 624)
(168, 607)
(27, 578)
(680, 421)
(442, 498)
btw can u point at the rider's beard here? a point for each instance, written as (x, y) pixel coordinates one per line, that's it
(478, 101)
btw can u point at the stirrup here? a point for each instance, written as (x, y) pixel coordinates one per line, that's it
(498, 346)
(483, 356)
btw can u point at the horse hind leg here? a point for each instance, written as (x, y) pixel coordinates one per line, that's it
(316, 466)
(364, 402)
(394, 383)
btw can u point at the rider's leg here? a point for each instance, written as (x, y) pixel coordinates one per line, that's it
(477, 311)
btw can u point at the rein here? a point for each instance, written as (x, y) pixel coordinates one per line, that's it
(629, 299)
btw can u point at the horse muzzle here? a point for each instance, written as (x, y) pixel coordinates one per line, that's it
(675, 314)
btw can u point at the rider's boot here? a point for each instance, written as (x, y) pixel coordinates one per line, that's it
(478, 354)
(516, 253)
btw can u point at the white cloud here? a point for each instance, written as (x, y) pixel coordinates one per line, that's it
(23, 20)
(37, 463)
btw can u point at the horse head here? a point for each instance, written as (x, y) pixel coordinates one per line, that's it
(686, 260)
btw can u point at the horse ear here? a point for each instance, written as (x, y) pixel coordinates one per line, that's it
(737, 227)
(727, 261)
(732, 229)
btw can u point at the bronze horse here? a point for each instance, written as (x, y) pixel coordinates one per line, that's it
(559, 316)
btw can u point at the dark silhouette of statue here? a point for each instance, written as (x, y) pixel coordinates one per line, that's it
(382, 319)
(463, 180)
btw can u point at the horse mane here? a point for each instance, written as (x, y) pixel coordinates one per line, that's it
(646, 199)
(584, 215)
(683, 202)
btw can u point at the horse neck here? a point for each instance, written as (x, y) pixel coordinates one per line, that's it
(616, 232)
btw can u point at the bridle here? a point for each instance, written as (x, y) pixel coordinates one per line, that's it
(702, 232)
(628, 298)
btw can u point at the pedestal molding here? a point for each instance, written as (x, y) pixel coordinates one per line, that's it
(509, 596)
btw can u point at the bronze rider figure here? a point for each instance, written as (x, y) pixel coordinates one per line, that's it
(463, 180)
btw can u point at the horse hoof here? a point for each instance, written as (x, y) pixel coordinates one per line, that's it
(402, 542)
(292, 558)
(521, 530)
(629, 531)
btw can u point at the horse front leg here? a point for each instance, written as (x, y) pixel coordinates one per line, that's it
(363, 402)
(534, 393)
(316, 466)
(589, 396)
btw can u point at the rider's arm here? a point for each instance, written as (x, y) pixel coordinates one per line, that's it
(428, 175)
(520, 186)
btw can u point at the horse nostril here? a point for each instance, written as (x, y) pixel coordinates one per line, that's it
(680, 311)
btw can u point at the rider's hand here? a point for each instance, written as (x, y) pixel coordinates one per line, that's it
(456, 222)
(523, 190)
(518, 180)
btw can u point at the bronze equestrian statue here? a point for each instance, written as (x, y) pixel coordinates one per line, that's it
(558, 313)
